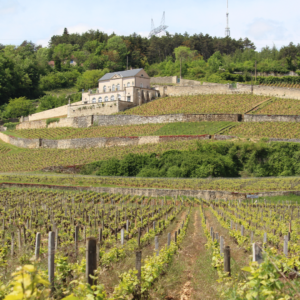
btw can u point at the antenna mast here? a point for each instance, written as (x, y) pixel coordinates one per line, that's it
(227, 29)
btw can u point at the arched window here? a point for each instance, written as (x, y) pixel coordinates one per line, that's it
(119, 97)
(104, 89)
(113, 88)
(128, 84)
(118, 87)
(112, 98)
(100, 99)
(106, 99)
(94, 100)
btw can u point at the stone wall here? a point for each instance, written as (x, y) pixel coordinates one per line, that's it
(50, 113)
(288, 93)
(204, 194)
(104, 108)
(109, 120)
(197, 90)
(164, 80)
(77, 122)
(20, 142)
(95, 142)
(184, 82)
(2, 128)
(271, 118)
(284, 140)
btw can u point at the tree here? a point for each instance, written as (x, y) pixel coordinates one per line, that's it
(66, 32)
(183, 53)
(19, 107)
(89, 79)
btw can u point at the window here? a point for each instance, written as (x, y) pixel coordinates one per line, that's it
(106, 99)
(113, 88)
(128, 84)
(94, 100)
(118, 87)
(119, 97)
(112, 98)
(141, 85)
(128, 98)
(104, 89)
(100, 99)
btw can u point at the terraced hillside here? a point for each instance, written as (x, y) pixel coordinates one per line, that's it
(283, 130)
(280, 107)
(198, 104)
(192, 128)
(37, 159)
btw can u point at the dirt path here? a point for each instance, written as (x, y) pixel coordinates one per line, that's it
(190, 276)
(239, 258)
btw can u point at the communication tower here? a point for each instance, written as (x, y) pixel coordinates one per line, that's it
(227, 29)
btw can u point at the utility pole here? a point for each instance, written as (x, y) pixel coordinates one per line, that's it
(180, 67)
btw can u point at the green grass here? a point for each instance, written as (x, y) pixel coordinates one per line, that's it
(59, 92)
(193, 128)
(290, 198)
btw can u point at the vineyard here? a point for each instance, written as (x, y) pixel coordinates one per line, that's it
(37, 159)
(242, 185)
(284, 130)
(285, 85)
(198, 104)
(87, 245)
(192, 128)
(280, 107)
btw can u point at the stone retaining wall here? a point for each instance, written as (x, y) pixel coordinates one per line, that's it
(271, 118)
(95, 142)
(109, 120)
(207, 195)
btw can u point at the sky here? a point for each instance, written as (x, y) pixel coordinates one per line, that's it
(265, 22)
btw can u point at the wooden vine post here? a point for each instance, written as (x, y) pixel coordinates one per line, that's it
(91, 260)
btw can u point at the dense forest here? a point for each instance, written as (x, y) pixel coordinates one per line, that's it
(79, 60)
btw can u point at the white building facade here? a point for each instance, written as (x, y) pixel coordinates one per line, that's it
(127, 86)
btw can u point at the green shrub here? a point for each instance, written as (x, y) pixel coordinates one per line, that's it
(10, 125)
(51, 120)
